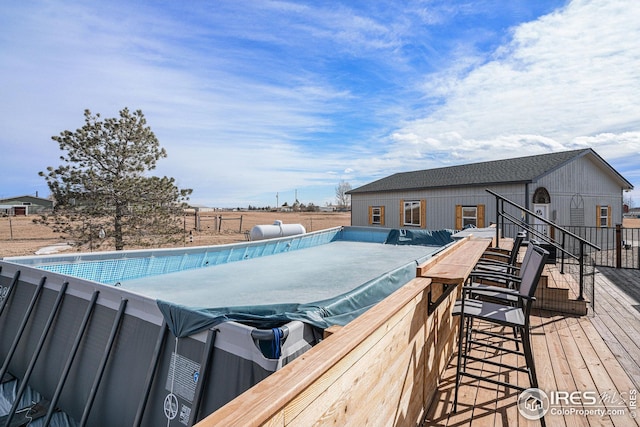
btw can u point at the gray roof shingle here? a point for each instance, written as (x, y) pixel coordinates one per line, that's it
(518, 170)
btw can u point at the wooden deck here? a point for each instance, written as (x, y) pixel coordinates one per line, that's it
(385, 367)
(599, 353)
(617, 316)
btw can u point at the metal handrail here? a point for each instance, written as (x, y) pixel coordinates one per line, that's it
(501, 214)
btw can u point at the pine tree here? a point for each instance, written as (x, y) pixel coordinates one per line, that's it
(102, 190)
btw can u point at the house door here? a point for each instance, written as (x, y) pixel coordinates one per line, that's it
(540, 226)
(541, 203)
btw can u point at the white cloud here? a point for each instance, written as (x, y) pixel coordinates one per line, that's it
(287, 95)
(562, 80)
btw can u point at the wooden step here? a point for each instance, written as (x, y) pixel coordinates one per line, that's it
(551, 294)
(556, 292)
(576, 307)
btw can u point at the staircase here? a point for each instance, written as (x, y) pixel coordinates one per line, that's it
(558, 292)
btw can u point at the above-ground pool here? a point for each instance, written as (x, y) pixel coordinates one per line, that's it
(303, 276)
(167, 336)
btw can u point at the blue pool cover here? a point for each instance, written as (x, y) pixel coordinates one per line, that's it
(339, 274)
(332, 284)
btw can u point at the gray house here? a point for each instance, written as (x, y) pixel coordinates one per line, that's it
(24, 205)
(570, 188)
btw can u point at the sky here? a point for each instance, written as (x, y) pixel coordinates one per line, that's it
(260, 102)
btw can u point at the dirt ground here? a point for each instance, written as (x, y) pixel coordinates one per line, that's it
(20, 236)
(631, 223)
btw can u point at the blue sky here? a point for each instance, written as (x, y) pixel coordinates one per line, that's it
(257, 98)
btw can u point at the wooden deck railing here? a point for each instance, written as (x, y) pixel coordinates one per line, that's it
(381, 368)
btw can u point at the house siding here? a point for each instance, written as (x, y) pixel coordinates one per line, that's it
(585, 179)
(440, 204)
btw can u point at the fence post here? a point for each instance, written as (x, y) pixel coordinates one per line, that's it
(618, 246)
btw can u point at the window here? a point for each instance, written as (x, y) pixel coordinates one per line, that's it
(469, 216)
(376, 215)
(412, 212)
(541, 196)
(604, 216)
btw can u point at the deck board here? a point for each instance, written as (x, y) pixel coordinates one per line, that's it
(598, 353)
(617, 316)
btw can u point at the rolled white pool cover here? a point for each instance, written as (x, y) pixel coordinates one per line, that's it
(277, 229)
(122, 355)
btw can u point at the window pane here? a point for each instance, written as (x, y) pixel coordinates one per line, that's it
(604, 214)
(376, 214)
(469, 216)
(415, 215)
(469, 211)
(412, 213)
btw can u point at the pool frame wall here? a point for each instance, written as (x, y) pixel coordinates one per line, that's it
(395, 350)
(122, 368)
(115, 266)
